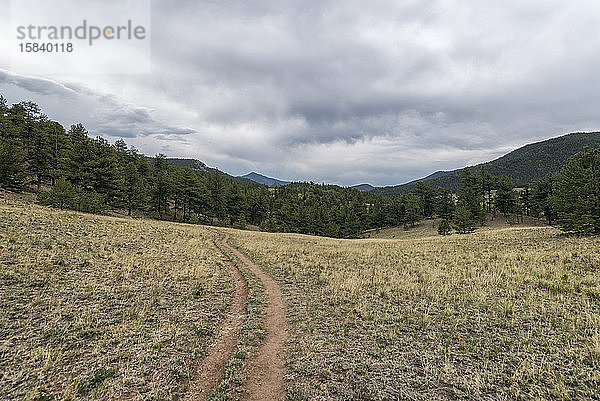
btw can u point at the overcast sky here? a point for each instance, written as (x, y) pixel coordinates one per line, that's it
(344, 92)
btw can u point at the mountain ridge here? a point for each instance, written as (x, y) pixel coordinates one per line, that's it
(263, 179)
(523, 165)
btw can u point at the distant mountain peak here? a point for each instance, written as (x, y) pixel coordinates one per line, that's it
(263, 179)
(363, 187)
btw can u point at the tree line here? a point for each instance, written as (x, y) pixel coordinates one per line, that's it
(570, 200)
(69, 169)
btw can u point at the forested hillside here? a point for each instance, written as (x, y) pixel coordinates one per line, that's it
(522, 166)
(69, 169)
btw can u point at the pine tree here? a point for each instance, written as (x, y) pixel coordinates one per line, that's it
(62, 195)
(235, 202)
(59, 147)
(464, 222)
(542, 199)
(258, 202)
(199, 198)
(177, 192)
(445, 205)
(506, 198)
(577, 194)
(40, 153)
(136, 187)
(526, 201)
(31, 122)
(487, 183)
(107, 173)
(351, 225)
(162, 186)
(7, 128)
(471, 198)
(217, 197)
(413, 210)
(76, 166)
(12, 171)
(427, 197)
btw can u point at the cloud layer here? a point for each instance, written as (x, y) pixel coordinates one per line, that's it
(343, 91)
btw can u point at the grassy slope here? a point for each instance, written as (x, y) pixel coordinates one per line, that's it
(512, 313)
(102, 307)
(429, 227)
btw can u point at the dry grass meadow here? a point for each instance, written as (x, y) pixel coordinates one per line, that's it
(97, 307)
(507, 313)
(105, 308)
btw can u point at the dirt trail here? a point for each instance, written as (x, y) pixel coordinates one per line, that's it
(267, 369)
(211, 371)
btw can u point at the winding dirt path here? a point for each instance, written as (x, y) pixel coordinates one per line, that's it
(267, 369)
(212, 368)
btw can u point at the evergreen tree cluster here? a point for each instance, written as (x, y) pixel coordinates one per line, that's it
(570, 199)
(69, 169)
(576, 196)
(483, 195)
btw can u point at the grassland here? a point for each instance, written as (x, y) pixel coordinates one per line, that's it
(103, 308)
(506, 313)
(428, 228)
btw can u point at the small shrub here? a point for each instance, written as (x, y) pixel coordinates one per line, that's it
(89, 201)
(444, 228)
(64, 196)
(61, 196)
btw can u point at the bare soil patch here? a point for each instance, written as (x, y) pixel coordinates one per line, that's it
(213, 366)
(267, 370)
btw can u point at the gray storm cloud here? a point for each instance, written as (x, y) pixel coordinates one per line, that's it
(344, 91)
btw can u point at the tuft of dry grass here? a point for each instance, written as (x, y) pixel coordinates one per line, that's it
(508, 313)
(103, 308)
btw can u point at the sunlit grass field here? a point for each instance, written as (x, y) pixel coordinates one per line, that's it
(103, 308)
(510, 313)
